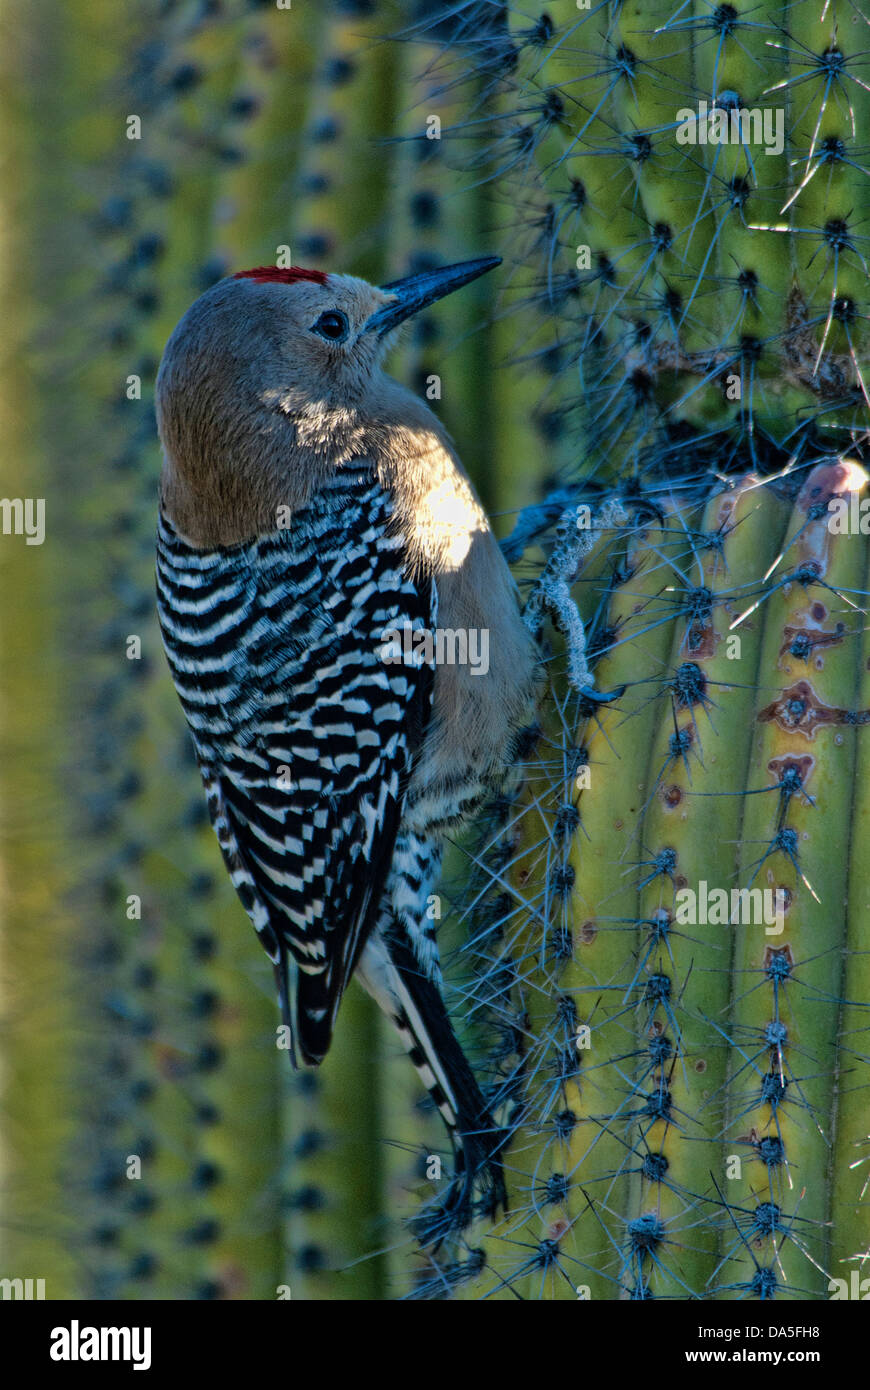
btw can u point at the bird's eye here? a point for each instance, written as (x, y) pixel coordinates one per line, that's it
(332, 325)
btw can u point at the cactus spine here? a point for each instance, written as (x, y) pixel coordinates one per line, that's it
(685, 1091)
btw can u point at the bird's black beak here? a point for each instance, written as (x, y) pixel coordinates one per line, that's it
(415, 292)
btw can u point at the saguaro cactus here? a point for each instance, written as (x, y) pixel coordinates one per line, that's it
(678, 899)
(660, 936)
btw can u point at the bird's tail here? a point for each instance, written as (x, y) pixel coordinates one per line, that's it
(283, 968)
(390, 972)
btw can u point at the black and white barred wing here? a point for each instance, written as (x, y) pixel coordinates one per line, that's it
(304, 732)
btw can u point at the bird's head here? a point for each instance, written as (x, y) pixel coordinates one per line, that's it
(274, 367)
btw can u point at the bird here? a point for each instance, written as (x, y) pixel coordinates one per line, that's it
(312, 508)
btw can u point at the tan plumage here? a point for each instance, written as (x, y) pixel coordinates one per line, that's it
(255, 411)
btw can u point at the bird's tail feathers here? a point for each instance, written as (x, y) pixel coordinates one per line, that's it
(390, 972)
(283, 967)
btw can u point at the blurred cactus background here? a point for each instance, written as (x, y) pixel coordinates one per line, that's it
(662, 398)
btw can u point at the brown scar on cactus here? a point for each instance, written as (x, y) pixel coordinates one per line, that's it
(799, 710)
(776, 953)
(829, 480)
(802, 765)
(701, 635)
(828, 375)
(800, 642)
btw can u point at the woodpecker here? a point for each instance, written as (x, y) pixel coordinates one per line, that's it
(310, 506)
